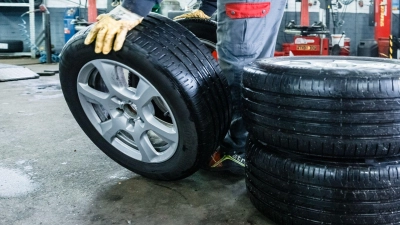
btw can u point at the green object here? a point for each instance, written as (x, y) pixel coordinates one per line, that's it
(156, 8)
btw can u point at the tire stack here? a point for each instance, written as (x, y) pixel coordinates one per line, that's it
(324, 143)
(11, 46)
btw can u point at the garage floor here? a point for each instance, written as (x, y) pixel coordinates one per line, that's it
(51, 173)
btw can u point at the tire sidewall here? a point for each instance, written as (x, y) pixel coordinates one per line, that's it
(271, 64)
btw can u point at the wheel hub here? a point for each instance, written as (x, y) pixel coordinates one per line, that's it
(130, 111)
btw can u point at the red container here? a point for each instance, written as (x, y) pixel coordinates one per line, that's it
(277, 54)
(383, 47)
(345, 50)
(286, 48)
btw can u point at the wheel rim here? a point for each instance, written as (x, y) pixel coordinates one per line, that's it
(335, 63)
(136, 120)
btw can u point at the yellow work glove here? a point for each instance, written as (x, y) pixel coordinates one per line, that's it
(111, 29)
(195, 14)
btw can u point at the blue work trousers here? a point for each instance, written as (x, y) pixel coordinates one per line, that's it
(241, 41)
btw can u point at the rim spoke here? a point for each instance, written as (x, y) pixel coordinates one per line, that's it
(92, 95)
(108, 73)
(143, 143)
(114, 79)
(111, 127)
(146, 149)
(144, 94)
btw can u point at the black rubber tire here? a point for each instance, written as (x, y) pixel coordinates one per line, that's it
(11, 46)
(203, 29)
(293, 189)
(330, 112)
(180, 67)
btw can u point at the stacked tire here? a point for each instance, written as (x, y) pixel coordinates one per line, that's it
(8, 46)
(324, 143)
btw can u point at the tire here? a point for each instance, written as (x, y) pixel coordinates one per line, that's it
(308, 106)
(11, 46)
(167, 133)
(293, 189)
(204, 29)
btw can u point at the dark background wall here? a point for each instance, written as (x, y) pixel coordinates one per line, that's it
(356, 26)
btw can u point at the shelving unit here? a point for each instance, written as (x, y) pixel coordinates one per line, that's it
(31, 6)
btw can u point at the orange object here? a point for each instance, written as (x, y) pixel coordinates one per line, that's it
(308, 45)
(215, 54)
(277, 54)
(92, 11)
(345, 50)
(305, 17)
(215, 157)
(286, 48)
(247, 10)
(383, 47)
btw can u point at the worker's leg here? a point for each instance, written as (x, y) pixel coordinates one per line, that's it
(241, 41)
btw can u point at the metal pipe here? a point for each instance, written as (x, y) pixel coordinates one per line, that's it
(32, 27)
(47, 37)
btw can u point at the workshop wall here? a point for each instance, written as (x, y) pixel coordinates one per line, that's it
(356, 21)
(11, 22)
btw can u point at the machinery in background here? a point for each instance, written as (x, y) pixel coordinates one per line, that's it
(73, 22)
(383, 23)
(71, 15)
(308, 40)
(384, 44)
(313, 39)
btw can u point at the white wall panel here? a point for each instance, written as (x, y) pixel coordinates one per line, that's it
(353, 7)
(100, 4)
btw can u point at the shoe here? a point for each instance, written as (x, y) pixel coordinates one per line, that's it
(229, 161)
(195, 14)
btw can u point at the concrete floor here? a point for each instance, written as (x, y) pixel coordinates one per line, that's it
(51, 173)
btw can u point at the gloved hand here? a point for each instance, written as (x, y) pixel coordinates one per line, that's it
(194, 14)
(111, 29)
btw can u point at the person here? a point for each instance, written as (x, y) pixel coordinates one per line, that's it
(246, 31)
